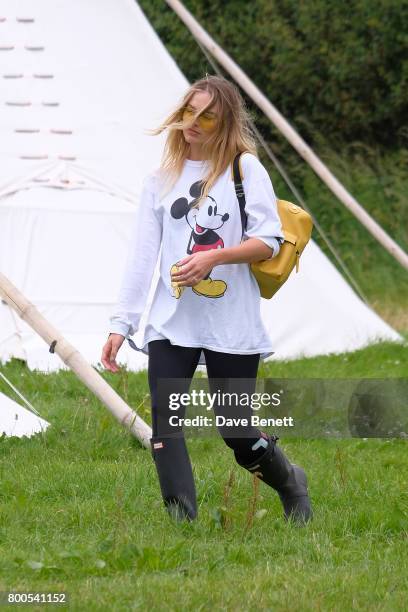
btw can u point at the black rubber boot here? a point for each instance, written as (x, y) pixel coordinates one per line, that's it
(288, 479)
(175, 476)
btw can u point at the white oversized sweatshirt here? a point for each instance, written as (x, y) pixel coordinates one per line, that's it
(221, 312)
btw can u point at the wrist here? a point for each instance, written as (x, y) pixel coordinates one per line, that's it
(217, 256)
(116, 334)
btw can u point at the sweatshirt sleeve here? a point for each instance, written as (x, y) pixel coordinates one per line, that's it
(141, 261)
(263, 221)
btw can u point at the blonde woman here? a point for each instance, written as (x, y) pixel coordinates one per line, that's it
(206, 306)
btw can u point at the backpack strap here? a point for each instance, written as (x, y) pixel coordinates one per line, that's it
(239, 190)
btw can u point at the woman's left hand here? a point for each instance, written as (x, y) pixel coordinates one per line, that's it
(194, 268)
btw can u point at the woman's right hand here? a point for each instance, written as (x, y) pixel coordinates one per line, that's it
(110, 350)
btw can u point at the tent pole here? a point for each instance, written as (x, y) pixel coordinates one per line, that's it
(72, 358)
(290, 134)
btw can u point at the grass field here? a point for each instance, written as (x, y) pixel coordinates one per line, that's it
(81, 510)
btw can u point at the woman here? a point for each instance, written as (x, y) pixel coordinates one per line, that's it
(206, 306)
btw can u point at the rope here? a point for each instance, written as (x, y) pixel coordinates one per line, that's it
(27, 403)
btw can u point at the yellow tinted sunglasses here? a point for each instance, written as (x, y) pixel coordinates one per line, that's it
(206, 120)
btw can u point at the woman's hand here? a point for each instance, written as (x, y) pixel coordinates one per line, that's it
(110, 350)
(194, 268)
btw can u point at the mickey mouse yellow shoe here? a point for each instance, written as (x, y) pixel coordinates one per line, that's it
(176, 288)
(210, 288)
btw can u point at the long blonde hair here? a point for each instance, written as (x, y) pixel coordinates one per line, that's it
(233, 133)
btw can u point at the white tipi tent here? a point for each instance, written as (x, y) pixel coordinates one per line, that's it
(18, 421)
(81, 81)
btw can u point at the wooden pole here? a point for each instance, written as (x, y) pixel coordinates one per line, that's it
(290, 134)
(74, 360)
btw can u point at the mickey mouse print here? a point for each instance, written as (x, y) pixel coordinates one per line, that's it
(204, 223)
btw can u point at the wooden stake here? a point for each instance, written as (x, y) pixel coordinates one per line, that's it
(75, 361)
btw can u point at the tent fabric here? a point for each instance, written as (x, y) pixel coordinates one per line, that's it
(18, 421)
(74, 152)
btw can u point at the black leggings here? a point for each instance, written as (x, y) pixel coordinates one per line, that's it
(167, 360)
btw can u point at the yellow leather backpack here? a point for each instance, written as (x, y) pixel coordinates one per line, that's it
(297, 228)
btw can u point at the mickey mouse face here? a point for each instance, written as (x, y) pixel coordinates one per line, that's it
(199, 219)
(206, 217)
(181, 206)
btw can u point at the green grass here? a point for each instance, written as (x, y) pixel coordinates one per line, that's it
(81, 510)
